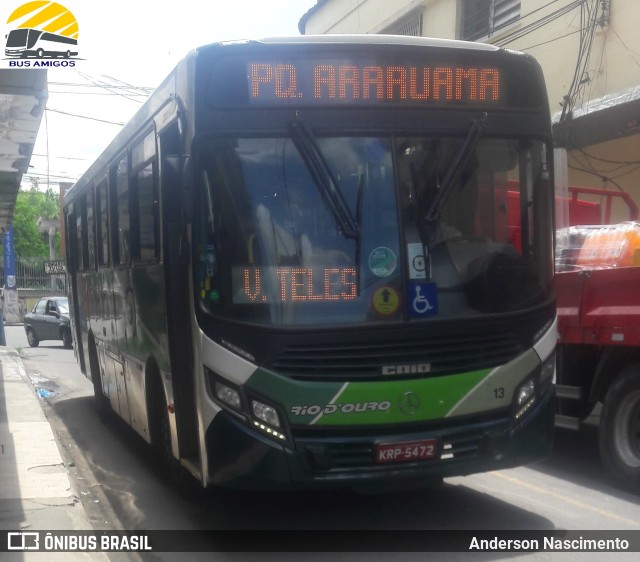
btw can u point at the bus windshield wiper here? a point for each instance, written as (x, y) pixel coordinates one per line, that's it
(458, 164)
(306, 144)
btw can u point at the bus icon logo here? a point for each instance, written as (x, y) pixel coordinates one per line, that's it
(23, 541)
(42, 30)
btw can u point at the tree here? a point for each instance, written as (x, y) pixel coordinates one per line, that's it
(31, 204)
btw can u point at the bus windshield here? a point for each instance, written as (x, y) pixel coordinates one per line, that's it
(271, 250)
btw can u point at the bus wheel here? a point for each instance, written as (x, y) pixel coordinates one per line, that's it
(40, 53)
(619, 432)
(103, 407)
(172, 470)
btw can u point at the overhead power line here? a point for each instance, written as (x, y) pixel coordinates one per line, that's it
(60, 157)
(85, 117)
(121, 88)
(534, 26)
(588, 24)
(76, 93)
(52, 178)
(510, 22)
(124, 85)
(551, 40)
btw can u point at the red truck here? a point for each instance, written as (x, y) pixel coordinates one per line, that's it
(598, 296)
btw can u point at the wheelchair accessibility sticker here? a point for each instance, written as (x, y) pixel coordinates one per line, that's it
(422, 299)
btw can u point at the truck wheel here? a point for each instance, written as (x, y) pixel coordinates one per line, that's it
(619, 433)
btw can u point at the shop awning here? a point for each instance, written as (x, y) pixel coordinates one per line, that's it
(610, 117)
(23, 95)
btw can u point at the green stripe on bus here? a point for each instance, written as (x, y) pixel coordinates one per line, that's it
(366, 403)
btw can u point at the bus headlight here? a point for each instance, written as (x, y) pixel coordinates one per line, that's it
(526, 392)
(548, 370)
(535, 387)
(265, 413)
(266, 419)
(230, 396)
(248, 407)
(525, 397)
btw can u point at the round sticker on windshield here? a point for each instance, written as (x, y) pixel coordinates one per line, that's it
(382, 261)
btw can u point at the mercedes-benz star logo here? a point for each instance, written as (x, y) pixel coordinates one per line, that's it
(409, 404)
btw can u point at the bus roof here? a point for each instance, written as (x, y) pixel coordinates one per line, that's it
(366, 39)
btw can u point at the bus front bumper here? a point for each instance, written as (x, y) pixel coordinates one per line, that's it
(241, 458)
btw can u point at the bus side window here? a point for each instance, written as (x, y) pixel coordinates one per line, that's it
(144, 198)
(102, 223)
(81, 235)
(147, 212)
(70, 238)
(91, 245)
(123, 206)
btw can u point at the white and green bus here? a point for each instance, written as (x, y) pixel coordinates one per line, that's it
(325, 262)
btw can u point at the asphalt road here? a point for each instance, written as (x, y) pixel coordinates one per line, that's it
(120, 487)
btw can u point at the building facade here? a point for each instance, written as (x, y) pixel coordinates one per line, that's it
(589, 51)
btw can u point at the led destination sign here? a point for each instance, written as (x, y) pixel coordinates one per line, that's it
(314, 82)
(260, 285)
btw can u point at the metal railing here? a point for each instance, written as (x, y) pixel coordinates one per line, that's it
(31, 275)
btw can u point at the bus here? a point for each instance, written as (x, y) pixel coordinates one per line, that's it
(294, 267)
(26, 43)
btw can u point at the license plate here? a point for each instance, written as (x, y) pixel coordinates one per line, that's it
(406, 452)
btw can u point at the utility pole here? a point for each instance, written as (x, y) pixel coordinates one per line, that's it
(64, 187)
(50, 227)
(10, 290)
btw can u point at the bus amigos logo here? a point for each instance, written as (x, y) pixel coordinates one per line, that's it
(42, 30)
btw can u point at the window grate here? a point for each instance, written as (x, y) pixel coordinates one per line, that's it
(410, 25)
(483, 18)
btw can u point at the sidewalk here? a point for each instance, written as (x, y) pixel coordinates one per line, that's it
(35, 491)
